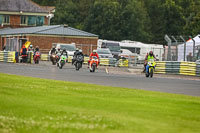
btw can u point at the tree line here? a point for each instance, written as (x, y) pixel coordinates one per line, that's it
(139, 20)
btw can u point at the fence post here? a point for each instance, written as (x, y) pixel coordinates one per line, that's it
(176, 47)
(184, 46)
(169, 42)
(193, 48)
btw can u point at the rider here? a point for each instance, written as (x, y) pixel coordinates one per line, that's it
(52, 51)
(64, 52)
(31, 49)
(58, 53)
(76, 53)
(74, 56)
(36, 50)
(149, 57)
(94, 53)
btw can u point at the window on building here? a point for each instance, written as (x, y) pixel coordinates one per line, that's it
(6, 19)
(31, 20)
(40, 20)
(1, 19)
(35, 20)
(23, 19)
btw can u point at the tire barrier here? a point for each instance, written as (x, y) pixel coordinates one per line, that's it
(160, 67)
(188, 68)
(198, 69)
(7, 56)
(172, 67)
(104, 62)
(181, 68)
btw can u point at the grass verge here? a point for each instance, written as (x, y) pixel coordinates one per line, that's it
(38, 105)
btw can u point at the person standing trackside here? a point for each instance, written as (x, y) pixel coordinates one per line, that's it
(23, 53)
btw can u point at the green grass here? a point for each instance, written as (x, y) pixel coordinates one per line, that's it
(31, 105)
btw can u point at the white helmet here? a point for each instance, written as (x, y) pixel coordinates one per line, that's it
(94, 51)
(80, 50)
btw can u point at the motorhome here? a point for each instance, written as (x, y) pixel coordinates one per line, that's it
(141, 49)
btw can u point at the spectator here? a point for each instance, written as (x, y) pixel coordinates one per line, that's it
(189, 57)
(4, 48)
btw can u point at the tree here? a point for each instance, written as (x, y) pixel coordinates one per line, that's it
(135, 22)
(104, 19)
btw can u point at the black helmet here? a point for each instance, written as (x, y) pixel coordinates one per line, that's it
(64, 49)
(151, 53)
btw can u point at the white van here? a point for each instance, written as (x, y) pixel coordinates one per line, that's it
(70, 48)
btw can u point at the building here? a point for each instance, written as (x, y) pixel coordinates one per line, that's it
(24, 13)
(45, 36)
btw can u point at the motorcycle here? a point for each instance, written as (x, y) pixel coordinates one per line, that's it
(152, 65)
(93, 63)
(78, 62)
(62, 61)
(36, 57)
(53, 58)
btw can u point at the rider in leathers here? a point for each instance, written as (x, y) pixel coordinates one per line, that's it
(76, 53)
(147, 58)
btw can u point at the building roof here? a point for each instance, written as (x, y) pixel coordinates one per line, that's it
(21, 5)
(57, 30)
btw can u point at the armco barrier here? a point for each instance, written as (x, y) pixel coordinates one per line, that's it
(7, 56)
(174, 67)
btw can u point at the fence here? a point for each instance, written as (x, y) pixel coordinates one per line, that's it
(182, 48)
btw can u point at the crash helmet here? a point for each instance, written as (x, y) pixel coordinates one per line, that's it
(94, 51)
(151, 53)
(64, 50)
(31, 46)
(81, 50)
(37, 48)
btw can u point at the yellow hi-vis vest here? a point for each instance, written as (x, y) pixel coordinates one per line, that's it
(150, 57)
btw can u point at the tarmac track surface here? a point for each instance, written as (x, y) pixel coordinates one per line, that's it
(100, 77)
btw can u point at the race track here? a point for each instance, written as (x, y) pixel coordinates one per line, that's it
(100, 77)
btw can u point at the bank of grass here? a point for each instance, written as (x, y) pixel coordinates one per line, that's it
(31, 105)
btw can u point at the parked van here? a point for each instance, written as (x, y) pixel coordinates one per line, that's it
(113, 46)
(70, 48)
